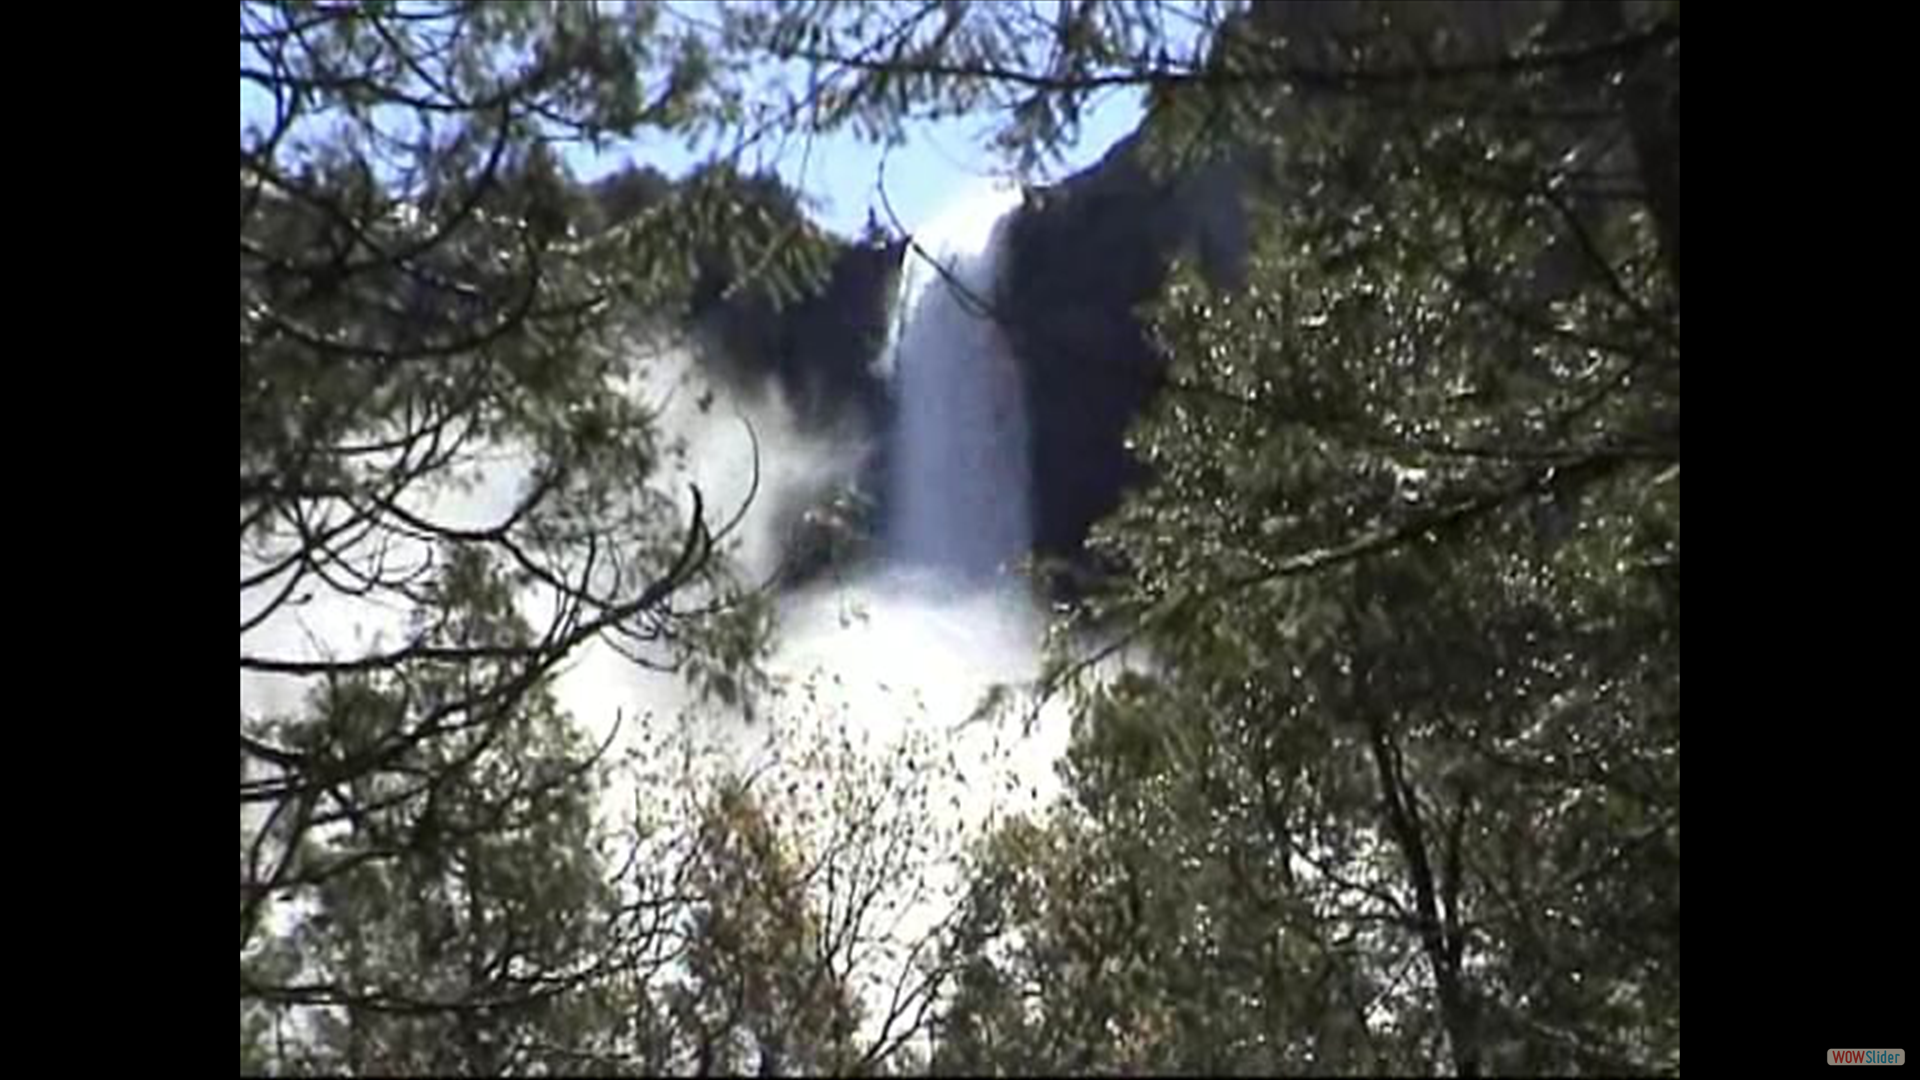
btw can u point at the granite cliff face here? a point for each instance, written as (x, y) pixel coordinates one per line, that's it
(1084, 256)
(1081, 256)
(818, 349)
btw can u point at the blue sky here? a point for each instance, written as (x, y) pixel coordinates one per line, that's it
(840, 175)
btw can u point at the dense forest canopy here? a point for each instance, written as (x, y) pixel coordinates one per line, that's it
(1397, 786)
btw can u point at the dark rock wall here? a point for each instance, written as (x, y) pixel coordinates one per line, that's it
(819, 349)
(1083, 255)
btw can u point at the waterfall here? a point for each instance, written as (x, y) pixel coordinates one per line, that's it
(959, 487)
(876, 677)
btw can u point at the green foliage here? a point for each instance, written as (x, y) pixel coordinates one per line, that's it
(428, 304)
(761, 987)
(1395, 787)
(447, 912)
(875, 67)
(1408, 576)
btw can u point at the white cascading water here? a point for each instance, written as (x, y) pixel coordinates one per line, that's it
(960, 490)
